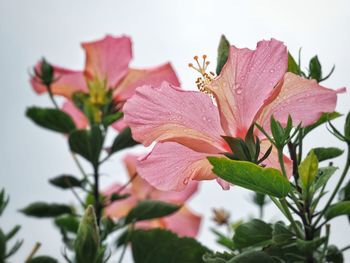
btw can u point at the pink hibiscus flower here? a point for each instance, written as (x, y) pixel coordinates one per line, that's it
(183, 222)
(107, 61)
(188, 126)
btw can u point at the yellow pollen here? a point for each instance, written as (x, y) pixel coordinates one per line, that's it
(205, 79)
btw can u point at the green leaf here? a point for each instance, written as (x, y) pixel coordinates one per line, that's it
(111, 118)
(149, 209)
(327, 153)
(323, 119)
(315, 69)
(223, 240)
(338, 209)
(308, 170)
(13, 232)
(334, 255)
(2, 245)
(41, 209)
(3, 201)
(87, 243)
(87, 143)
(292, 65)
(122, 141)
(251, 257)
(159, 246)
(311, 245)
(217, 257)
(323, 176)
(65, 181)
(268, 181)
(223, 53)
(43, 259)
(281, 234)
(14, 248)
(67, 222)
(252, 233)
(347, 127)
(51, 119)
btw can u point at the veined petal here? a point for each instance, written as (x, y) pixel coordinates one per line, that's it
(178, 165)
(67, 82)
(272, 161)
(119, 125)
(140, 77)
(183, 222)
(305, 100)
(167, 113)
(108, 58)
(78, 117)
(246, 81)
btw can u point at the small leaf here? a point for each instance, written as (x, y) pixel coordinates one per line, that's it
(252, 233)
(41, 209)
(292, 65)
(65, 181)
(315, 69)
(338, 209)
(252, 256)
(159, 246)
(43, 259)
(323, 119)
(149, 209)
(309, 246)
(2, 245)
(13, 232)
(334, 255)
(67, 222)
(14, 248)
(327, 153)
(347, 127)
(268, 181)
(281, 234)
(308, 170)
(323, 176)
(122, 141)
(223, 53)
(112, 118)
(87, 143)
(51, 119)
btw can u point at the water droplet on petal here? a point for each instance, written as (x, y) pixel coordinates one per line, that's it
(272, 70)
(239, 91)
(185, 181)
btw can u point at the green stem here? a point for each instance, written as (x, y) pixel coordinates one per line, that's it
(336, 189)
(52, 97)
(34, 250)
(97, 203)
(280, 159)
(289, 216)
(131, 228)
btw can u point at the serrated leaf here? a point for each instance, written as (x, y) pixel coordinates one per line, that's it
(159, 246)
(52, 119)
(65, 181)
(41, 209)
(252, 233)
(327, 153)
(223, 53)
(122, 141)
(268, 181)
(338, 209)
(149, 209)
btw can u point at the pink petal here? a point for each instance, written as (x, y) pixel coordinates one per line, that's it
(171, 166)
(140, 77)
(119, 125)
(305, 100)
(272, 160)
(108, 58)
(67, 82)
(246, 81)
(167, 113)
(78, 117)
(184, 223)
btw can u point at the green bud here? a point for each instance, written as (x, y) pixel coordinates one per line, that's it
(315, 69)
(223, 53)
(46, 73)
(87, 242)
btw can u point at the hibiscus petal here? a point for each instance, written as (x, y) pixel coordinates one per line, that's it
(171, 166)
(119, 208)
(67, 82)
(305, 100)
(272, 160)
(184, 223)
(140, 77)
(167, 113)
(119, 125)
(78, 117)
(108, 58)
(246, 80)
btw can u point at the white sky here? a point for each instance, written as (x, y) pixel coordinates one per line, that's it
(161, 31)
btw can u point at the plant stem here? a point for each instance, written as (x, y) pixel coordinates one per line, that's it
(336, 189)
(97, 203)
(34, 250)
(131, 228)
(290, 218)
(52, 97)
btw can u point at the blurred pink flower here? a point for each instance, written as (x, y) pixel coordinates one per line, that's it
(188, 125)
(183, 222)
(106, 60)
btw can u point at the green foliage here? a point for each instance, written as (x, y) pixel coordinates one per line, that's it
(309, 246)
(87, 143)
(149, 209)
(338, 209)
(43, 259)
(122, 141)
(281, 234)
(68, 223)
(46, 73)
(87, 242)
(308, 170)
(111, 118)
(254, 232)
(66, 181)
(327, 153)
(159, 246)
(347, 127)
(41, 209)
(323, 176)
(334, 255)
(315, 69)
(292, 65)
(3, 201)
(223, 53)
(252, 256)
(52, 119)
(251, 176)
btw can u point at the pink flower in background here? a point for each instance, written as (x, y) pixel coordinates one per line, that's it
(188, 126)
(106, 60)
(184, 222)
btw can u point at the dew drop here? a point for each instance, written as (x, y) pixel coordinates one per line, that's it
(239, 91)
(272, 70)
(185, 181)
(204, 118)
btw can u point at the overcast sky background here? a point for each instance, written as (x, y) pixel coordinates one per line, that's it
(161, 31)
